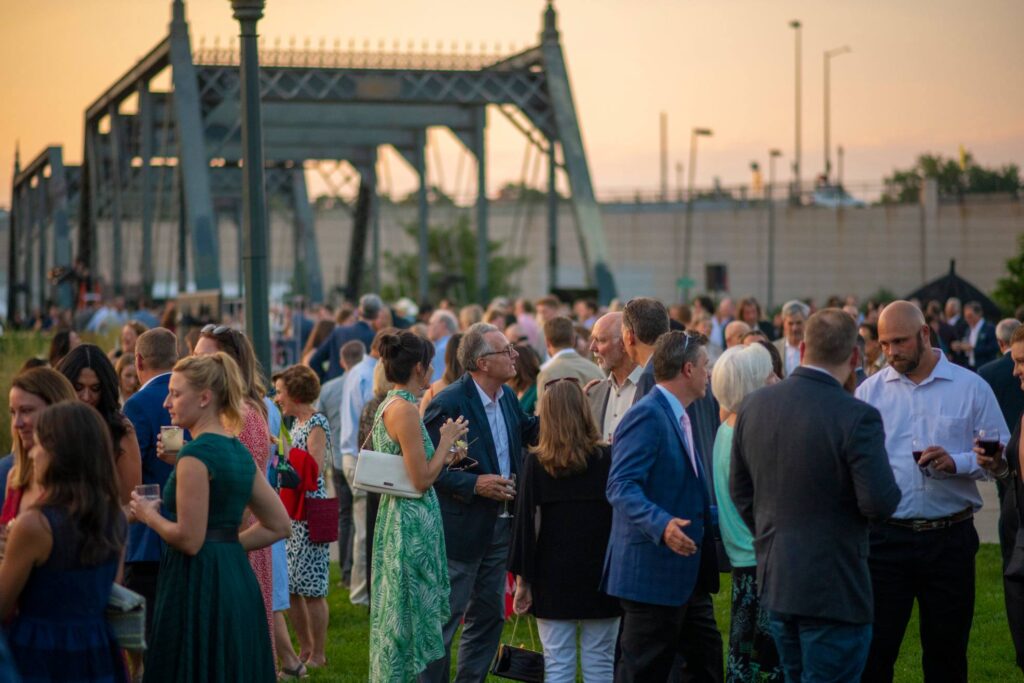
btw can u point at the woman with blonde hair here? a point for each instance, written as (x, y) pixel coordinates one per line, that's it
(752, 654)
(209, 617)
(31, 391)
(560, 533)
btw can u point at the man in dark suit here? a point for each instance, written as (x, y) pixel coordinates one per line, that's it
(614, 395)
(979, 344)
(999, 375)
(659, 553)
(809, 471)
(476, 538)
(960, 329)
(370, 307)
(156, 352)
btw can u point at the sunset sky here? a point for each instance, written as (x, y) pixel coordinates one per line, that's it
(924, 75)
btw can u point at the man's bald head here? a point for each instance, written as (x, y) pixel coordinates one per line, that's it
(905, 337)
(606, 343)
(734, 332)
(608, 325)
(901, 315)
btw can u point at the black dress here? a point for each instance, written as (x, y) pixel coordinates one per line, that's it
(564, 561)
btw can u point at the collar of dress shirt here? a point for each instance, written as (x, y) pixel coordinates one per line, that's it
(632, 378)
(943, 370)
(677, 407)
(153, 379)
(978, 325)
(487, 400)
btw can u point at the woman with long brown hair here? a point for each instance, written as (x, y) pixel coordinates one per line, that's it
(561, 528)
(321, 331)
(64, 552)
(209, 616)
(31, 391)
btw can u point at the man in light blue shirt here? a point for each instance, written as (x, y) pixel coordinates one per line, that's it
(356, 392)
(443, 325)
(926, 552)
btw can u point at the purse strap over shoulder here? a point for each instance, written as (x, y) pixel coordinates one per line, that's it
(380, 416)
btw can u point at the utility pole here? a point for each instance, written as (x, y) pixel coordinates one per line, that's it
(688, 229)
(829, 54)
(773, 154)
(795, 192)
(664, 157)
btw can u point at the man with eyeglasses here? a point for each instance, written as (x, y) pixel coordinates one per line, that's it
(476, 538)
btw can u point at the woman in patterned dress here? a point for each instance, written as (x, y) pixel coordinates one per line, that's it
(410, 568)
(308, 563)
(255, 436)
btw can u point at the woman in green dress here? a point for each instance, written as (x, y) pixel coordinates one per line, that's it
(209, 622)
(410, 568)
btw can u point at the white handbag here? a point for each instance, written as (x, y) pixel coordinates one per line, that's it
(383, 472)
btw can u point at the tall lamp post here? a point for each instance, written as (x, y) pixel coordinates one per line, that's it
(254, 208)
(773, 154)
(795, 193)
(829, 54)
(688, 230)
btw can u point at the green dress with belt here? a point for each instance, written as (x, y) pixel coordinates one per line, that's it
(410, 574)
(209, 622)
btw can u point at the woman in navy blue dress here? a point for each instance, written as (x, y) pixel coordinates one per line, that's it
(63, 554)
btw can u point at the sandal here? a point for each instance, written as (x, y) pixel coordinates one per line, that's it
(287, 674)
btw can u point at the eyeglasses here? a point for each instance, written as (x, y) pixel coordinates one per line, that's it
(215, 330)
(508, 350)
(574, 380)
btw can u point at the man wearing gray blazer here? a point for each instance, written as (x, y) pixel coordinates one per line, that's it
(809, 471)
(615, 394)
(560, 336)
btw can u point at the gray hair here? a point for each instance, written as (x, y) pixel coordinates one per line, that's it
(738, 372)
(370, 305)
(795, 307)
(473, 345)
(451, 323)
(1006, 328)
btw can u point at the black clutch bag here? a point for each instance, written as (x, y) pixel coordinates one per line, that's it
(518, 663)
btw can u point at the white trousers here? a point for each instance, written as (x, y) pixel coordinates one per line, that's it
(358, 592)
(597, 649)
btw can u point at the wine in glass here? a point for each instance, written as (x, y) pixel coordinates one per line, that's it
(988, 439)
(505, 513)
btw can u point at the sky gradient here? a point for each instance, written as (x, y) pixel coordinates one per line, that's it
(924, 75)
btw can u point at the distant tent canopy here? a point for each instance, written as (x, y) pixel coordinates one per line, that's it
(954, 285)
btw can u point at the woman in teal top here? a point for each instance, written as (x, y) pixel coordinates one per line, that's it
(410, 568)
(209, 623)
(752, 654)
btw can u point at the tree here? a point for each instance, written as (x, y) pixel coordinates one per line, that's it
(1009, 291)
(451, 265)
(955, 178)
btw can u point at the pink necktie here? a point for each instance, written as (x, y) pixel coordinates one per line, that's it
(684, 421)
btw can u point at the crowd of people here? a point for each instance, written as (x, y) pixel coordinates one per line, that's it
(610, 463)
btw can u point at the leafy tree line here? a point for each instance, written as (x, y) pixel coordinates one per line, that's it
(955, 178)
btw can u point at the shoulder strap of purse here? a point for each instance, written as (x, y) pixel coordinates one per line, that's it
(283, 437)
(380, 416)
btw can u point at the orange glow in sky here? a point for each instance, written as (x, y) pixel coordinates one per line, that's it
(924, 75)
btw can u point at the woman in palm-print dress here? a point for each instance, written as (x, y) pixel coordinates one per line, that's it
(410, 568)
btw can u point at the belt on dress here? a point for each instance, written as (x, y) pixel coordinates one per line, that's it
(223, 535)
(933, 524)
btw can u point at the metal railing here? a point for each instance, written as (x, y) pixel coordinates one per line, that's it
(353, 58)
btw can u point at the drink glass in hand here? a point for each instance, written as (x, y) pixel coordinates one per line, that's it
(988, 440)
(172, 438)
(505, 513)
(917, 449)
(148, 491)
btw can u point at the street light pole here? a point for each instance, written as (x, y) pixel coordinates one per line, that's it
(257, 313)
(829, 54)
(795, 193)
(688, 230)
(773, 154)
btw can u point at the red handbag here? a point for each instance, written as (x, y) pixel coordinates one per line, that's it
(322, 519)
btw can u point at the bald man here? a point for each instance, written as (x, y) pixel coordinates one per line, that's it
(734, 333)
(926, 551)
(613, 396)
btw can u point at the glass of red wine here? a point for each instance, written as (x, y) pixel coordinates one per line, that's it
(988, 440)
(917, 449)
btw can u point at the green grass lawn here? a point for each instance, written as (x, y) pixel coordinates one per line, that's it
(991, 651)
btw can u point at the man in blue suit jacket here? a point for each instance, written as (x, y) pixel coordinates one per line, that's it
(476, 538)
(981, 346)
(364, 329)
(156, 352)
(658, 555)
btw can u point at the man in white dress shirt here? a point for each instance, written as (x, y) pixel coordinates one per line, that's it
(794, 315)
(926, 552)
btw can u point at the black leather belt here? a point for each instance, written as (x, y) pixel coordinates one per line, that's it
(933, 524)
(227, 535)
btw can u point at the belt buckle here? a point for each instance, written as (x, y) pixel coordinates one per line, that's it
(920, 525)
